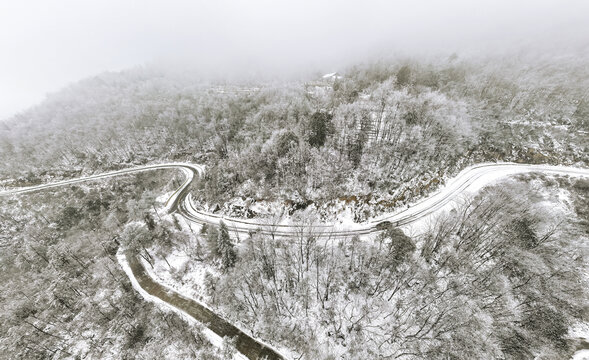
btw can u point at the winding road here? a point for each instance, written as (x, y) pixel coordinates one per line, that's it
(181, 201)
(470, 179)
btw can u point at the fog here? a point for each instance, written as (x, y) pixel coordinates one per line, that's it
(47, 44)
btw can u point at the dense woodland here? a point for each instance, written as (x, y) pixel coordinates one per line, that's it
(375, 137)
(62, 292)
(498, 277)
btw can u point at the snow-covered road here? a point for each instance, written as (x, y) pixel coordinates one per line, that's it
(469, 180)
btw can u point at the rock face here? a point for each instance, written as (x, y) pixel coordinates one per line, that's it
(215, 208)
(293, 205)
(240, 207)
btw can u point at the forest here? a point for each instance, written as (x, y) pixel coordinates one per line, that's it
(62, 292)
(501, 275)
(497, 277)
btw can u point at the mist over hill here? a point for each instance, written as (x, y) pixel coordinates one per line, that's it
(48, 45)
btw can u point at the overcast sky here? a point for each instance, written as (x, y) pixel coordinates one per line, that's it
(47, 44)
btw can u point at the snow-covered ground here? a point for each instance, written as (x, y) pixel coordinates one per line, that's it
(581, 355)
(580, 331)
(186, 277)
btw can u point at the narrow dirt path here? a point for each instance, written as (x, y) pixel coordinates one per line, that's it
(245, 344)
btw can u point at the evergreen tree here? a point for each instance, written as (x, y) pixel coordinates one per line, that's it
(225, 248)
(318, 128)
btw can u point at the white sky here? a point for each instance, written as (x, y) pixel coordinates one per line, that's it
(47, 44)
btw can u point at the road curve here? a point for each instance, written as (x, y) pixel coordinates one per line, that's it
(470, 179)
(182, 202)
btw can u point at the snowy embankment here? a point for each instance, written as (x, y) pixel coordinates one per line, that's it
(468, 182)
